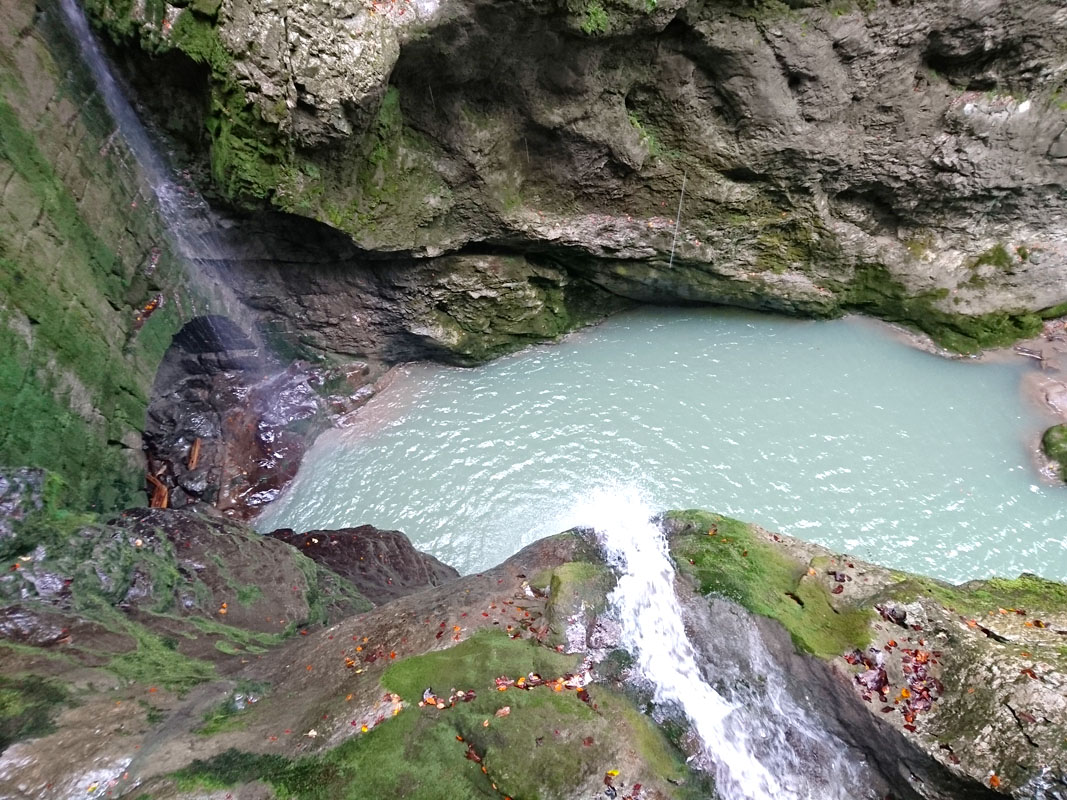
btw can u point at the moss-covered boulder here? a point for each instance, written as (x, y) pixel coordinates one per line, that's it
(160, 596)
(972, 676)
(1054, 445)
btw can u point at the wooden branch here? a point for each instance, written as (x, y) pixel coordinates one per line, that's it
(161, 495)
(194, 454)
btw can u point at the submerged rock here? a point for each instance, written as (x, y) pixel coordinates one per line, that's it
(383, 565)
(1054, 445)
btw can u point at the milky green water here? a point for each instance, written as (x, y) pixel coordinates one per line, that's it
(835, 432)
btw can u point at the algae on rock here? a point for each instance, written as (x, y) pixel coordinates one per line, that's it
(1054, 445)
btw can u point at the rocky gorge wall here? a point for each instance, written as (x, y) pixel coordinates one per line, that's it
(904, 160)
(82, 252)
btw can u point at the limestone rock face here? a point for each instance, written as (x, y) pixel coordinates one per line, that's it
(902, 160)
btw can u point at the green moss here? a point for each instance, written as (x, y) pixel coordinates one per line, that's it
(875, 291)
(27, 707)
(475, 663)
(231, 714)
(979, 598)
(197, 38)
(60, 342)
(49, 526)
(247, 155)
(594, 19)
(737, 565)
(573, 588)
(997, 256)
(1053, 312)
(152, 714)
(249, 594)
(155, 661)
(1054, 443)
(416, 755)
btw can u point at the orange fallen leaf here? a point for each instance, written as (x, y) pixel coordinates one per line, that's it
(994, 781)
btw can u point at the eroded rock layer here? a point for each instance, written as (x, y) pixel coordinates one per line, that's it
(904, 160)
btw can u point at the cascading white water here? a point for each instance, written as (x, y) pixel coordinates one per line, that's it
(759, 747)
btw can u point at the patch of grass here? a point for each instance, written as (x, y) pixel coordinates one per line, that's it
(248, 594)
(737, 565)
(152, 714)
(154, 661)
(473, 664)
(27, 707)
(573, 588)
(648, 137)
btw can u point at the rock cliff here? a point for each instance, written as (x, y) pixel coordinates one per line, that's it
(209, 659)
(82, 255)
(905, 160)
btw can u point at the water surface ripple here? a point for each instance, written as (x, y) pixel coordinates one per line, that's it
(834, 432)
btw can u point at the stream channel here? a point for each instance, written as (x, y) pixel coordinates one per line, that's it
(837, 432)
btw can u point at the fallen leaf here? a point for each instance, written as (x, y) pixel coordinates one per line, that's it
(503, 712)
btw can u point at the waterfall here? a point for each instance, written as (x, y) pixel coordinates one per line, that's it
(759, 744)
(183, 210)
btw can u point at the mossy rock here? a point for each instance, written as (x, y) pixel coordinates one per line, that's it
(550, 744)
(875, 291)
(1054, 443)
(27, 707)
(577, 593)
(133, 576)
(723, 556)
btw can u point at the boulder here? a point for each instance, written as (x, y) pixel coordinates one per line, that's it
(382, 565)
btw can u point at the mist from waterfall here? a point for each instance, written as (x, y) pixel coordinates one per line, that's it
(758, 743)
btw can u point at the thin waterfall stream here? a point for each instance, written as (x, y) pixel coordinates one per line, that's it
(182, 209)
(758, 747)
